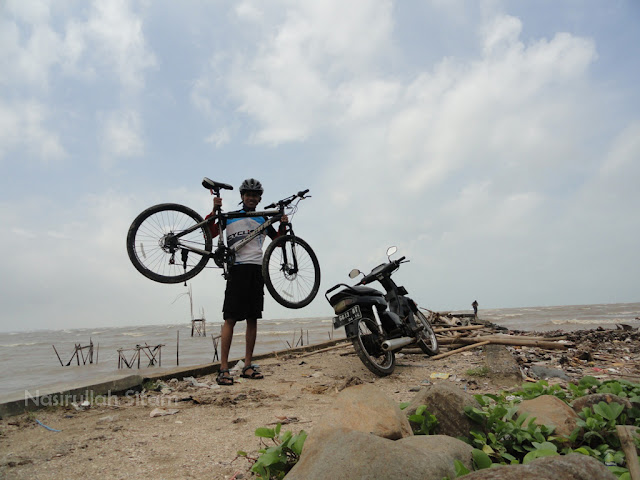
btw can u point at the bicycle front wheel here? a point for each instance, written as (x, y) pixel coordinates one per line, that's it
(291, 271)
(159, 251)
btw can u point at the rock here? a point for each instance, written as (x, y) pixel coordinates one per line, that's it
(550, 410)
(340, 453)
(457, 449)
(502, 367)
(366, 409)
(161, 412)
(589, 401)
(564, 467)
(446, 402)
(546, 372)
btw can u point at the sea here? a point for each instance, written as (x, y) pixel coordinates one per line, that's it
(41, 359)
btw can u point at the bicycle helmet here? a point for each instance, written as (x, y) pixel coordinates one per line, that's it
(251, 185)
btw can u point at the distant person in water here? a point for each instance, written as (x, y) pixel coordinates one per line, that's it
(475, 308)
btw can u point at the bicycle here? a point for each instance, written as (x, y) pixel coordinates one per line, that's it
(171, 243)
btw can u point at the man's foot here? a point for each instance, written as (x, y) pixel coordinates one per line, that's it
(224, 377)
(253, 372)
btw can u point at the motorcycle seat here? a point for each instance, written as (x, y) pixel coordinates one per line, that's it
(362, 290)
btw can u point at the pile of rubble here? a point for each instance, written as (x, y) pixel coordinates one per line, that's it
(601, 353)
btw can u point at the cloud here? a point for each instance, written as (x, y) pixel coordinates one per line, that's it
(112, 38)
(24, 127)
(121, 135)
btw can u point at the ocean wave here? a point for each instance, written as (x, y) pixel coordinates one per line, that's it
(19, 344)
(591, 321)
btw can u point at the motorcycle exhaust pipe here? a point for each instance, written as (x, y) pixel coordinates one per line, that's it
(396, 343)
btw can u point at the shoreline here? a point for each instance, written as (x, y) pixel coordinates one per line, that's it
(202, 426)
(63, 393)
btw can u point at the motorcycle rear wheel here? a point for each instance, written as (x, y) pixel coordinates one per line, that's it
(427, 342)
(367, 343)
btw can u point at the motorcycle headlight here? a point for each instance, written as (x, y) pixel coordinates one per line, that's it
(342, 305)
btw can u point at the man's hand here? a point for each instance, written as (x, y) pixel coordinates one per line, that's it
(217, 204)
(284, 219)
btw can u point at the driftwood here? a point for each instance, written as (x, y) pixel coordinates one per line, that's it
(325, 349)
(517, 341)
(463, 349)
(457, 329)
(629, 449)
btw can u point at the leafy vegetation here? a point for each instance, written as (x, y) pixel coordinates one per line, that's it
(503, 437)
(276, 460)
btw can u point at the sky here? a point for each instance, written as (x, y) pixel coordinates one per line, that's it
(495, 143)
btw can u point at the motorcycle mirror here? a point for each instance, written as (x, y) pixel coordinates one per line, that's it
(354, 273)
(391, 250)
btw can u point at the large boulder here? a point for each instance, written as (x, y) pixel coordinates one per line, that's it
(366, 409)
(340, 453)
(447, 403)
(564, 467)
(550, 410)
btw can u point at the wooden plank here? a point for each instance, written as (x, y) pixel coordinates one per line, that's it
(463, 349)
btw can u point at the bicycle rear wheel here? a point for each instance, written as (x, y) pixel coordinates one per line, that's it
(291, 271)
(158, 253)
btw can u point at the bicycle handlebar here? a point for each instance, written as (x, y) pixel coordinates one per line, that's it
(288, 200)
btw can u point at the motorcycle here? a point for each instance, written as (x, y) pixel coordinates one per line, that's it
(380, 324)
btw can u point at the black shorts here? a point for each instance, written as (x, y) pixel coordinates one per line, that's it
(244, 295)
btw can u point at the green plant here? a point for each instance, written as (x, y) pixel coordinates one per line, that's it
(275, 461)
(423, 422)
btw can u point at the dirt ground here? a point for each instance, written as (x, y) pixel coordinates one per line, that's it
(201, 439)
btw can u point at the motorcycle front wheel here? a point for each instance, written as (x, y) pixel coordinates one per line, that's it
(427, 342)
(367, 343)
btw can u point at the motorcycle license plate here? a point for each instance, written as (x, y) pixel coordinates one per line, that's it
(347, 317)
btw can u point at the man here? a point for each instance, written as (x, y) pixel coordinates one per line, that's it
(244, 294)
(475, 308)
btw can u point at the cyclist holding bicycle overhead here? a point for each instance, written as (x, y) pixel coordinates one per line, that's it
(244, 293)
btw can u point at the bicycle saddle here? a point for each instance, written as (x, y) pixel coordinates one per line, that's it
(215, 186)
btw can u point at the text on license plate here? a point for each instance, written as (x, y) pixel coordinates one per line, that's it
(347, 317)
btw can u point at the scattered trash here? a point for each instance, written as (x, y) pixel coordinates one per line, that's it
(162, 412)
(194, 383)
(108, 418)
(48, 428)
(440, 375)
(237, 368)
(82, 406)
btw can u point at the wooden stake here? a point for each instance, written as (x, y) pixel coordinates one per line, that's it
(451, 352)
(54, 349)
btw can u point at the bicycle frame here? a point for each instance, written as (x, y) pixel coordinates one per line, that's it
(223, 255)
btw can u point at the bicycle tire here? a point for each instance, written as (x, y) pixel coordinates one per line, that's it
(367, 343)
(291, 289)
(427, 341)
(147, 235)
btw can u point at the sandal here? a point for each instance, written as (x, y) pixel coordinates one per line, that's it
(223, 379)
(254, 375)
